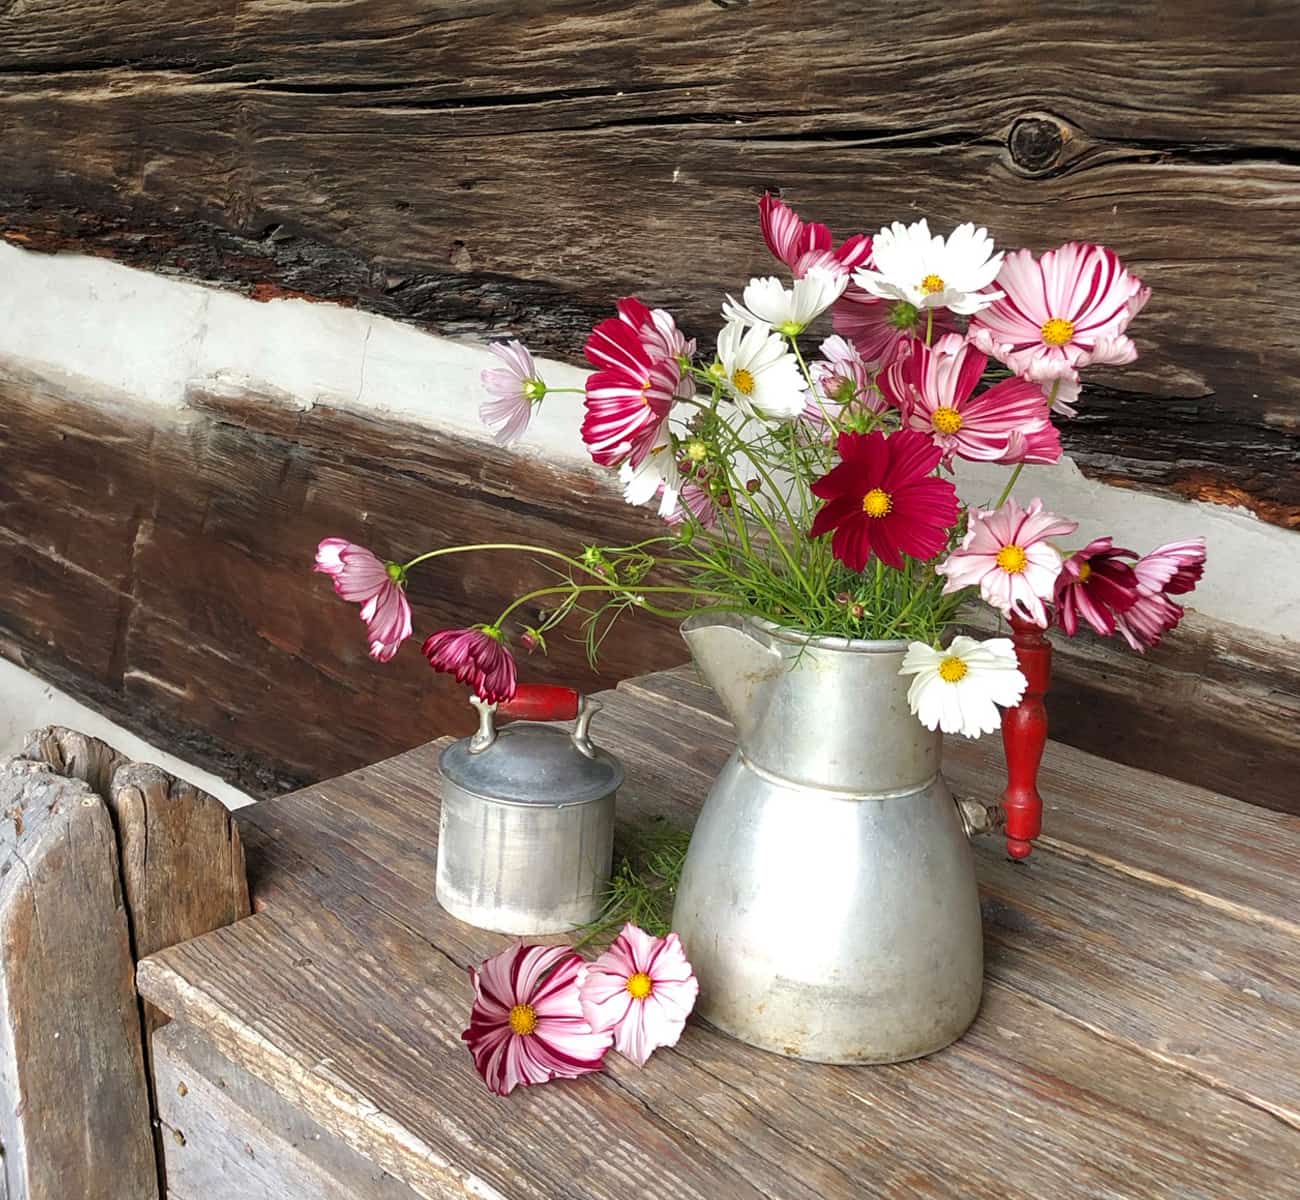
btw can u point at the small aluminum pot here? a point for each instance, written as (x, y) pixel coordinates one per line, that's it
(526, 837)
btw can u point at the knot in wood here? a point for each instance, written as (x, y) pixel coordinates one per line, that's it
(1036, 143)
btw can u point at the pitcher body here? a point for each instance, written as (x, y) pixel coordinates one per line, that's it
(828, 901)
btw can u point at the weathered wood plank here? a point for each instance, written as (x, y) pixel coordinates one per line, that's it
(359, 159)
(1228, 852)
(342, 881)
(74, 1108)
(248, 486)
(230, 1137)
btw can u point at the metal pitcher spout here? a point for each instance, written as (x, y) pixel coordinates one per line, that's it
(739, 664)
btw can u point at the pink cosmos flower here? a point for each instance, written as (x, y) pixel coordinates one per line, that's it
(526, 1025)
(802, 245)
(881, 328)
(695, 501)
(1172, 569)
(881, 499)
(642, 989)
(360, 577)
(934, 389)
(514, 391)
(629, 394)
(476, 656)
(1095, 583)
(1006, 554)
(1066, 311)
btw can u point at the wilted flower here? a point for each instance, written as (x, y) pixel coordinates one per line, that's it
(928, 271)
(514, 391)
(477, 656)
(1172, 569)
(958, 689)
(881, 499)
(1007, 555)
(363, 579)
(526, 1025)
(642, 990)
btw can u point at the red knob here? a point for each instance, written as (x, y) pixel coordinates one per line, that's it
(1024, 735)
(542, 702)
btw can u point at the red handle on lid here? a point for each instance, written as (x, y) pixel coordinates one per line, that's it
(541, 702)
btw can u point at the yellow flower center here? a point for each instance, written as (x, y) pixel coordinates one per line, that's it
(877, 503)
(522, 1019)
(952, 669)
(945, 420)
(932, 283)
(743, 381)
(1084, 572)
(640, 985)
(696, 450)
(1012, 559)
(1058, 331)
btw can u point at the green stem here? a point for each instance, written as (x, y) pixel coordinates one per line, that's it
(542, 550)
(631, 593)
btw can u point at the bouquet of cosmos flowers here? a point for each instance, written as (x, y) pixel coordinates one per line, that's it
(815, 490)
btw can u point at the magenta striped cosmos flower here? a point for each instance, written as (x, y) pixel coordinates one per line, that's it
(526, 1025)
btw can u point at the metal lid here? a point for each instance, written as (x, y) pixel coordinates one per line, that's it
(532, 764)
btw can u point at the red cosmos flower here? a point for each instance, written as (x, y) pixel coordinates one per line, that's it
(882, 500)
(1095, 583)
(629, 394)
(476, 656)
(802, 245)
(527, 1025)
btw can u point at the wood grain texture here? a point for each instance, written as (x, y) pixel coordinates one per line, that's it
(74, 1108)
(1059, 1089)
(397, 154)
(247, 664)
(230, 1137)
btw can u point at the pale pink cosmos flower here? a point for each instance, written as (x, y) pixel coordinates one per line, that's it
(1172, 569)
(526, 1025)
(642, 989)
(361, 578)
(1068, 310)
(1006, 554)
(695, 502)
(844, 383)
(934, 388)
(513, 390)
(476, 656)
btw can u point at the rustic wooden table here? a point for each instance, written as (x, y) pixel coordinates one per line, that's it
(1139, 1037)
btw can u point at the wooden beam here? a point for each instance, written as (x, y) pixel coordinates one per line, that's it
(476, 168)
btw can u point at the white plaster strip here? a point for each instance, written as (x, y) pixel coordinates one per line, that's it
(150, 337)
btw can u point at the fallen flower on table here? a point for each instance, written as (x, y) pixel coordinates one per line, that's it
(642, 989)
(526, 1025)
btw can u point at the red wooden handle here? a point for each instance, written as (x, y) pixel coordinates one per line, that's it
(541, 702)
(1024, 734)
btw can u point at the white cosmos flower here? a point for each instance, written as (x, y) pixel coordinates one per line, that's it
(787, 310)
(958, 689)
(760, 374)
(931, 272)
(658, 468)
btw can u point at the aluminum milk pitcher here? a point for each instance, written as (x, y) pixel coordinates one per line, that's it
(828, 900)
